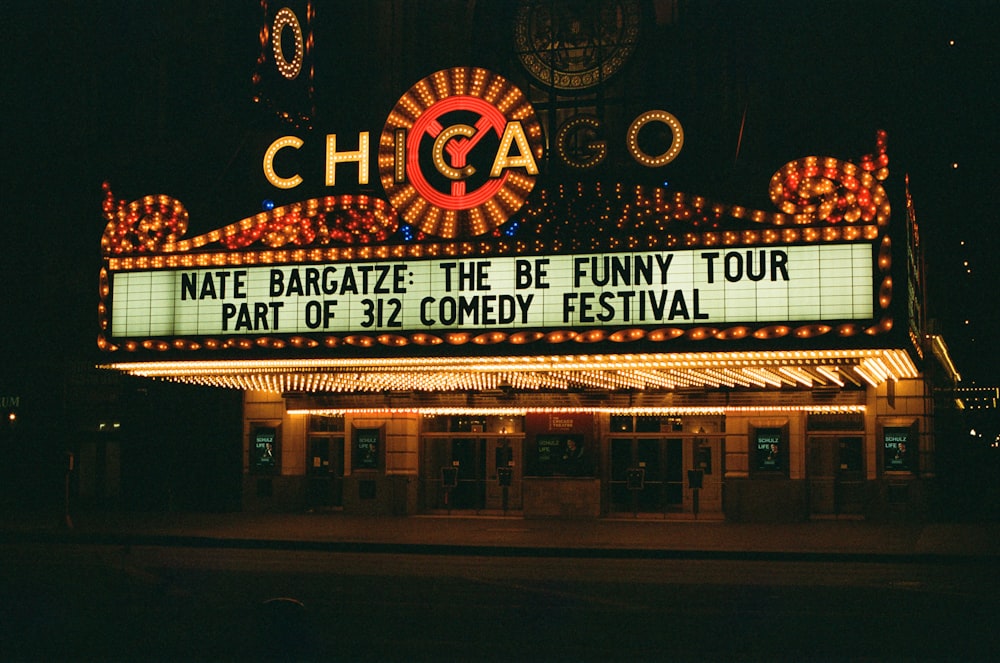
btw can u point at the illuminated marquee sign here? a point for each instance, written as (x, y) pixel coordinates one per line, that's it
(457, 156)
(458, 153)
(435, 261)
(828, 282)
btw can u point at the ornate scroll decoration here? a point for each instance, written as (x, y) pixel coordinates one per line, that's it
(155, 225)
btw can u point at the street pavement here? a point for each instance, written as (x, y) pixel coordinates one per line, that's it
(514, 535)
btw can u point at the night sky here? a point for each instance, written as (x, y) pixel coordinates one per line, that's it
(154, 97)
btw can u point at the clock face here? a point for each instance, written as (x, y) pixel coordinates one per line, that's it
(575, 44)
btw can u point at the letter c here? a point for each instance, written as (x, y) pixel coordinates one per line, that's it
(273, 177)
(425, 318)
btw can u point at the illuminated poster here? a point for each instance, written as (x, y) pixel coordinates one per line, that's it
(561, 455)
(264, 449)
(366, 442)
(769, 445)
(897, 450)
(562, 444)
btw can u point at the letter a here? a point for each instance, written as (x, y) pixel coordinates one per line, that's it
(514, 133)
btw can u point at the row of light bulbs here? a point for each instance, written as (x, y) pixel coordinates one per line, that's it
(874, 368)
(806, 191)
(613, 411)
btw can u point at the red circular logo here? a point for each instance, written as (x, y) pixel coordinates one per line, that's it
(458, 153)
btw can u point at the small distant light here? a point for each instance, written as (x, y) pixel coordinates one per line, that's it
(954, 166)
(665, 183)
(951, 42)
(267, 204)
(12, 417)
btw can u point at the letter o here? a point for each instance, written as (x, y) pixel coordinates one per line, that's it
(447, 310)
(734, 266)
(285, 18)
(314, 314)
(632, 138)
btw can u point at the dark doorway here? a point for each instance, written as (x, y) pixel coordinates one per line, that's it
(646, 475)
(835, 468)
(325, 482)
(455, 469)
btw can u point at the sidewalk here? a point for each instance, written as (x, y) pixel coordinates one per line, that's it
(513, 535)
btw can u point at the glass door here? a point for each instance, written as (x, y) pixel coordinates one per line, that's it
(504, 473)
(646, 475)
(454, 473)
(835, 470)
(468, 456)
(326, 471)
(470, 463)
(850, 486)
(707, 458)
(622, 497)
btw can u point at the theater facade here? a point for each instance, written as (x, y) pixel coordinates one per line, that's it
(499, 305)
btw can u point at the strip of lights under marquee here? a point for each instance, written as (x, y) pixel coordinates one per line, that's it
(640, 372)
(620, 411)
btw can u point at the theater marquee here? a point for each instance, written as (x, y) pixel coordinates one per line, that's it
(464, 247)
(828, 282)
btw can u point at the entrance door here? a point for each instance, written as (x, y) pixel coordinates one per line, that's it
(707, 457)
(506, 457)
(468, 455)
(454, 471)
(646, 475)
(326, 471)
(835, 469)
